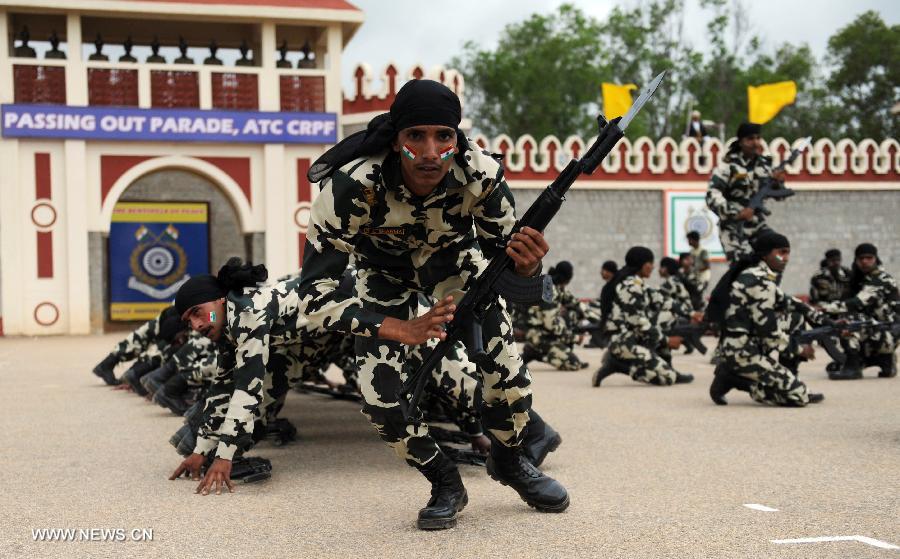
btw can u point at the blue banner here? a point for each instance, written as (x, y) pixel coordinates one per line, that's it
(167, 125)
(154, 247)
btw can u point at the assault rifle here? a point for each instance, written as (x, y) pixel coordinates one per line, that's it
(247, 469)
(771, 188)
(690, 334)
(825, 336)
(463, 455)
(499, 278)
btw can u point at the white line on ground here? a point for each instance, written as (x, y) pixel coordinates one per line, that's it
(861, 539)
(763, 508)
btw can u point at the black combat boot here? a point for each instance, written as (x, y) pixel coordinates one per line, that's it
(724, 381)
(852, 368)
(155, 379)
(887, 362)
(448, 495)
(172, 395)
(683, 378)
(540, 439)
(133, 375)
(105, 368)
(833, 367)
(510, 467)
(609, 366)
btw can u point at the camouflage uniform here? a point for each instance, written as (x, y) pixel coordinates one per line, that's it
(196, 360)
(731, 186)
(266, 347)
(700, 277)
(548, 331)
(679, 306)
(635, 334)
(826, 286)
(144, 344)
(405, 245)
(757, 323)
(877, 300)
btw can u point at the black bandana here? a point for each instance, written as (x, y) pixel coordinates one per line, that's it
(561, 273)
(419, 102)
(234, 275)
(866, 248)
(769, 241)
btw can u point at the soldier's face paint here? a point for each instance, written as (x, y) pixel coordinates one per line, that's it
(207, 318)
(433, 148)
(778, 259)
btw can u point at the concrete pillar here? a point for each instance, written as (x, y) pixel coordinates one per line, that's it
(277, 210)
(76, 237)
(76, 73)
(268, 78)
(11, 251)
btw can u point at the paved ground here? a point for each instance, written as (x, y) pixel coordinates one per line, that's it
(652, 472)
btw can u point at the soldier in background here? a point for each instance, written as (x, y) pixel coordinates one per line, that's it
(549, 335)
(631, 317)
(873, 295)
(699, 262)
(756, 333)
(731, 187)
(147, 345)
(832, 282)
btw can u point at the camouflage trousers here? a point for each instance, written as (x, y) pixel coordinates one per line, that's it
(773, 383)
(384, 365)
(643, 364)
(455, 386)
(869, 343)
(287, 365)
(552, 350)
(737, 238)
(196, 360)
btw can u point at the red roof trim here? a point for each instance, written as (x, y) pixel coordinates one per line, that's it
(310, 4)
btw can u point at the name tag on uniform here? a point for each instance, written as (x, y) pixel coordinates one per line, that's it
(740, 176)
(383, 231)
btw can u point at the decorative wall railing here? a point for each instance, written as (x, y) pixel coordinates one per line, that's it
(367, 96)
(167, 85)
(668, 159)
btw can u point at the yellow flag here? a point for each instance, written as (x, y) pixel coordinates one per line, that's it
(766, 100)
(616, 99)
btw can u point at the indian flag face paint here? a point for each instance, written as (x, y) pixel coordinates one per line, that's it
(212, 316)
(409, 152)
(447, 153)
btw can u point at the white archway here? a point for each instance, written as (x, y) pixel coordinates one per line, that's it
(207, 170)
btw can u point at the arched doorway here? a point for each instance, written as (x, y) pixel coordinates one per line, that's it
(178, 185)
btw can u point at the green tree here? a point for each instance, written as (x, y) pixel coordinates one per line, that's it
(865, 78)
(542, 79)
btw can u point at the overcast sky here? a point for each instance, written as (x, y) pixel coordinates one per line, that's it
(431, 32)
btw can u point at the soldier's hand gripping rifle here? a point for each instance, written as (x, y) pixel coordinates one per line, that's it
(771, 188)
(499, 278)
(827, 335)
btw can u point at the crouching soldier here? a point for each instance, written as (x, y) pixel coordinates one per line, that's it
(422, 209)
(631, 310)
(873, 296)
(264, 346)
(755, 343)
